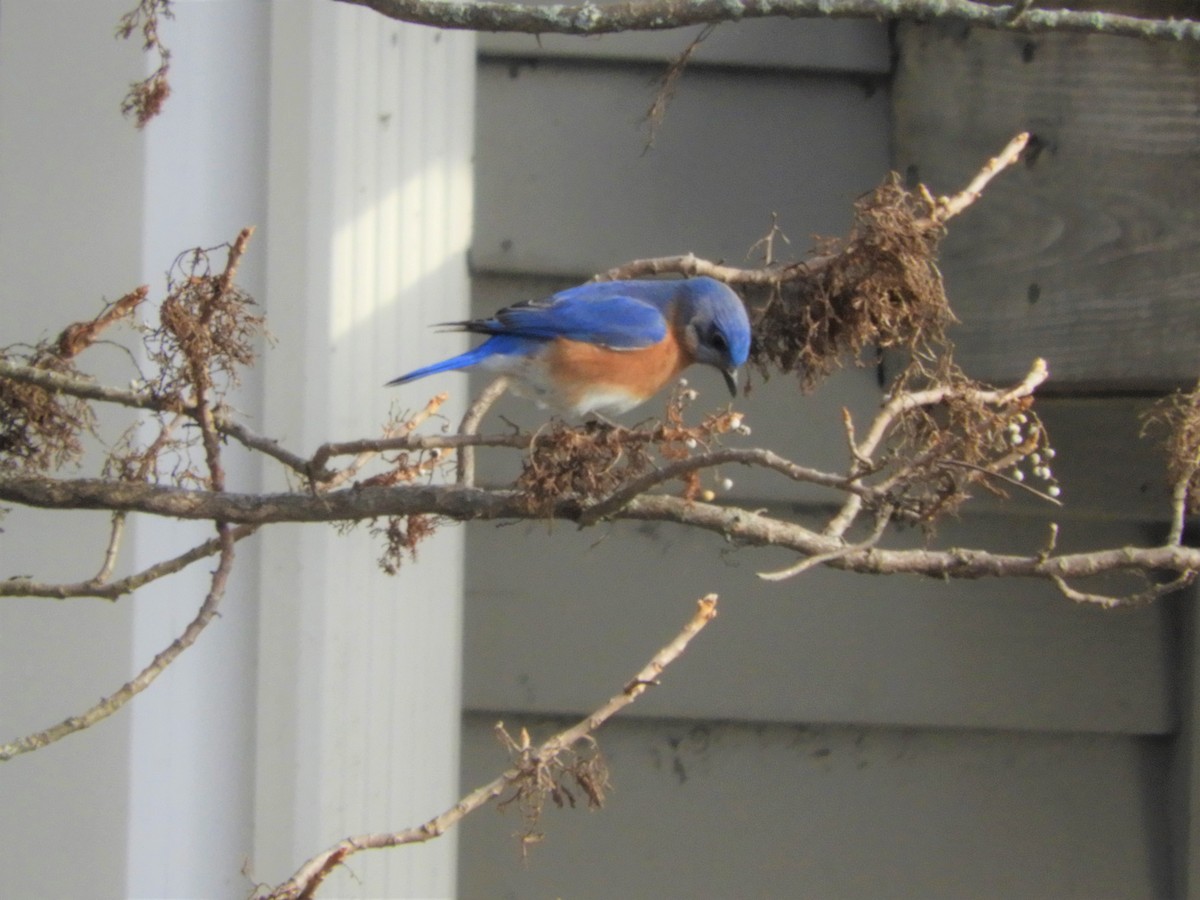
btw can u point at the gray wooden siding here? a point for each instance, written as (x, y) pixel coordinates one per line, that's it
(712, 810)
(837, 735)
(1087, 255)
(567, 188)
(852, 48)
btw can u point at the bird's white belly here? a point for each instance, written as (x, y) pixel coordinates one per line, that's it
(531, 380)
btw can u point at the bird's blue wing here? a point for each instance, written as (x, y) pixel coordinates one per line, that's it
(594, 313)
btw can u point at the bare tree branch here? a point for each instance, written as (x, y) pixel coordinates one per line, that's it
(110, 704)
(470, 424)
(308, 878)
(84, 388)
(947, 208)
(882, 519)
(943, 209)
(1149, 595)
(198, 357)
(113, 590)
(658, 15)
(766, 459)
(474, 504)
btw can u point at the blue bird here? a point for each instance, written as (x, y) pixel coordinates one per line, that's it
(607, 346)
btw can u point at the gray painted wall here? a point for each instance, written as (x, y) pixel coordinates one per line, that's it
(835, 735)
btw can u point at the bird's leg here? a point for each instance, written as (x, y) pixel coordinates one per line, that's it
(595, 418)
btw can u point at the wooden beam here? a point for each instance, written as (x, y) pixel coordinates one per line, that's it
(1087, 256)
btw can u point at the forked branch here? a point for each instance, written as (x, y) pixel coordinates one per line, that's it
(531, 760)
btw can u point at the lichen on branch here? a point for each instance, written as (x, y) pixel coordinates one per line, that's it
(658, 15)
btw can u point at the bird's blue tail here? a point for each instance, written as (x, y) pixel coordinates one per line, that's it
(462, 361)
(499, 345)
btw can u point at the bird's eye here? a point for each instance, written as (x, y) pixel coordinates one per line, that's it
(719, 343)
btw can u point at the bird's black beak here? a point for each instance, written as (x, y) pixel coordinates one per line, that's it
(731, 380)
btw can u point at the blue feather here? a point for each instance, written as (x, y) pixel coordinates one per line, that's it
(611, 314)
(501, 345)
(708, 318)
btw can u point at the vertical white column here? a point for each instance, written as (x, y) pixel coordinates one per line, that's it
(359, 673)
(191, 758)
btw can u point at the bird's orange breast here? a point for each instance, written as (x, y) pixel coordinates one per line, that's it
(578, 367)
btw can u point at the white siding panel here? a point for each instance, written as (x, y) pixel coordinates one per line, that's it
(192, 759)
(359, 685)
(68, 240)
(720, 810)
(569, 189)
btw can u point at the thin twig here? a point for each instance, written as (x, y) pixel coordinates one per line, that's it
(902, 402)
(948, 207)
(23, 587)
(666, 88)
(366, 454)
(116, 531)
(766, 459)
(518, 441)
(1000, 476)
(308, 877)
(690, 265)
(1179, 505)
(110, 704)
(863, 452)
(83, 387)
(470, 424)
(882, 518)
(265, 445)
(1149, 595)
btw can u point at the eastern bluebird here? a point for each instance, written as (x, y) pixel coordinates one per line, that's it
(607, 346)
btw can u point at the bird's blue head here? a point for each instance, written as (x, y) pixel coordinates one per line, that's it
(716, 329)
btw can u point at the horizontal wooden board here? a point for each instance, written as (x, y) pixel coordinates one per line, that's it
(1105, 465)
(833, 647)
(838, 46)
(1087, 255)
(557, 618)
(717, 810)
(568, 186)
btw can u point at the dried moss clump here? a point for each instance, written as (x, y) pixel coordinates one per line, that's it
(878, 288)
(590, 462)
(206, 328)
(556, 777)
(401, 536)
(1178, 414)
(39, 428)
(975, 435)
(586, 463)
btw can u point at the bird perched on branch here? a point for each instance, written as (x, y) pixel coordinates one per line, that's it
(607, 346)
